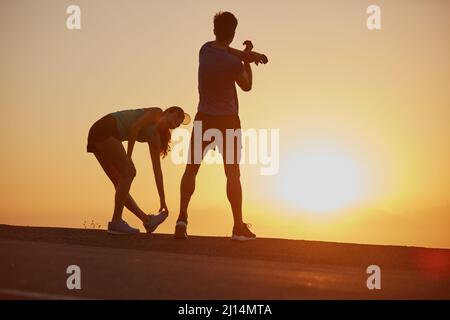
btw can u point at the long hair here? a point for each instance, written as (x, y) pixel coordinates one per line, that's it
(166, 134)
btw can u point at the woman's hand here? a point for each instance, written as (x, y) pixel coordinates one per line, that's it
(163, 206)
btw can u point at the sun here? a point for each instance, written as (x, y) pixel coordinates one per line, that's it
(320, 179)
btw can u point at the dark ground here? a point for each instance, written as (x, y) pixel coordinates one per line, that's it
(34, 262)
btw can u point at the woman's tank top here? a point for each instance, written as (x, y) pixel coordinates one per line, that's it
(125, 120)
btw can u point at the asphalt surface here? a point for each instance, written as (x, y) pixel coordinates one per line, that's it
(34, 262)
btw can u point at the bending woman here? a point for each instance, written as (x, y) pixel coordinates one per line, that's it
(148, 125)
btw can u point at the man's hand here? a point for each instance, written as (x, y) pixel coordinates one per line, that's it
(255, 57)
(258, 58)
(252, 56)
(248, 45)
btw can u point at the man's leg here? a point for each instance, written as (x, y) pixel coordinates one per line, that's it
(196, 153)
(241, 230)
(187, 188)
(232, 148)
(234, 192)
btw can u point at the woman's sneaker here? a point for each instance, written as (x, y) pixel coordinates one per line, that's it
(243, 233)
(180, 230)
(121, 227)
(155, 220)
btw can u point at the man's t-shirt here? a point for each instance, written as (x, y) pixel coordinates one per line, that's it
(217, 73)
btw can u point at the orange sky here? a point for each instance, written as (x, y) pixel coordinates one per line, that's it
(378, 98)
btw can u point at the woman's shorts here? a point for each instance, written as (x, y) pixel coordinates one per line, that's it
(101, 130)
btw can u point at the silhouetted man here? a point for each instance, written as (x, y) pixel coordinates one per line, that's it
(220, 67)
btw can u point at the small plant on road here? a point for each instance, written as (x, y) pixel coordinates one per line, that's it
(93, 225)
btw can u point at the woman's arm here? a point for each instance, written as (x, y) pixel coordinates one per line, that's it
(151, 115)
(155, 150)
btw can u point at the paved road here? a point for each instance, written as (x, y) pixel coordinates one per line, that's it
(34, 262)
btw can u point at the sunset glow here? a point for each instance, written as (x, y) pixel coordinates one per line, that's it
(321, 180)
(362, 115)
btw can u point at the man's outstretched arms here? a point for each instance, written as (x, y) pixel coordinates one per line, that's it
(245, 79)
(249, 56)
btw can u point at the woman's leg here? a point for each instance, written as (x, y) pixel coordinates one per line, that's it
(112, 149)
(113, 175)
(131, 205)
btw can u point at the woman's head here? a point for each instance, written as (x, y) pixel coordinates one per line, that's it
(174, 117)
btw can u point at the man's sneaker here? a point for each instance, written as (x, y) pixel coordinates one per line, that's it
(242, 233)
(121, 227)
(180, 230)
(155, 220)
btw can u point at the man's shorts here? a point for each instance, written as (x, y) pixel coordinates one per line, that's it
(228, 127)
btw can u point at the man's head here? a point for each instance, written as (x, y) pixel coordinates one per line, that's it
(225, 24)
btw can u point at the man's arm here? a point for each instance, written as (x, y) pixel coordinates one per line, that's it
(245, 79)
(241, 55)
(248, 56)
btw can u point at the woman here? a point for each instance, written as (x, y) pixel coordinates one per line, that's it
(150, 125)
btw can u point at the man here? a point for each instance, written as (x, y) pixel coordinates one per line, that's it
(219, 69)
